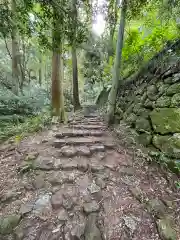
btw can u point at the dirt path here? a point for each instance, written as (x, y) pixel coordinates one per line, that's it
(77, 182)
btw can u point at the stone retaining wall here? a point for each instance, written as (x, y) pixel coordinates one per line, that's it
(151, 104)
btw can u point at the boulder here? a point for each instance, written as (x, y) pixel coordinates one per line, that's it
(8, 223)
(163, 101)
(152, 92)
(163, 88)
(168, 144)
(175, 101)
(91, 207)
(131, 119)
(173, 89)
(166, 120)
(149, 104)
(145, 139)
(176, 78)
(165, 229)
(92, 232)
(143, 125)
(168, 80)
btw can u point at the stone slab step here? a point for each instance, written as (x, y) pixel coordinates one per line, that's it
(79, 133)
(77, 141)
(87, 123)
(92, 127)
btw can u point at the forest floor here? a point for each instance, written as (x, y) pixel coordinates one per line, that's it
(78, 181)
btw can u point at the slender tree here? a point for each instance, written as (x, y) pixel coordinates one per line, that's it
(74, 59)
(117, 64)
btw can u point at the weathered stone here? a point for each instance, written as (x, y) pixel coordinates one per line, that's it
(38, 182)
(176, 78)
(168, 80)
(68, 151)
(97, 148)
(92, 232)
(8, 223)
(130, 223)
(130, 109)
(163, 101)
(91, 207)
(78, 231)
(137, 108)
(93, 188)
(26, 208)
(143, 112)
(163, 88)
(166, 120)
(42, 207)
(145, 139)
(62, 215)
(9, 195)
(83, 151)
(170, 145)
(68, 203)
(175, 88)
(131, 119)
(152, 92)
(143, 125)
(166, 230)
(31, 156)
(44, 163)
(100, 183)
(137, 193)
(149, 104)
(96, 167)
(156, 207)
(57, 200)
(127, 171)
(175, 101)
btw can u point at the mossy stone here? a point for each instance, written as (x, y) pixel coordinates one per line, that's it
(173, 89)
(143, 125)
(145, 139)
(166, 120)
(8, 223)
(168, 144)
(163, 101)
(175, 101)
(131, 119)
(165, 229)
(152, 92)
(149, 104)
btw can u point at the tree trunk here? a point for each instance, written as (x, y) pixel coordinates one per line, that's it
(57, 74)
(40, 70)
(117, 65)
(15, 51)
(74, 61)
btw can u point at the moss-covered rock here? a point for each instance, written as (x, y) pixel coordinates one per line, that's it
(143, 125)
(162, 87)
(166, 120)
(130, 109)
(131, 119)
(149, 104)
(166, 229)
(168, 80)
(137, 107)
(163, 101)
(168, 144)
(152, 92)
(175, 101)
(145, 139)
(173, 89)
(176, 78)
(8, 223)
(143, 112)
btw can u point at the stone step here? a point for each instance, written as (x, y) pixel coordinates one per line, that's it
(87, 123)
(77, 141)
(78, 133)
(89, 127)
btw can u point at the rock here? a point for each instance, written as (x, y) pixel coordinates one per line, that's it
(163, 88)
(91, 207)
(166, 230)
(42, 207)
(137, 193)
(38, 182)
(68, 203)
(168, 80)
(10, 195)
(127, 171)
(62, 215)
(163, 101)
(77, 232)
(175, 101)
(96, 167)
(130, 223)
(57, 200)
(156, 207)
(143, 112)
(131, 119)
(68, 151)
(26, 208)
(168, 144)
(97, 148)
(143, 125)
(175, 88)
(100, 183)
(93, 188)
(137, 108)
(145, 139)
(92, 232)
(83, 151)
(166, 120)
(31, 156)
(8, 223)
(176, 78)
(44, 163)
(149, 104)
(152, 92)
